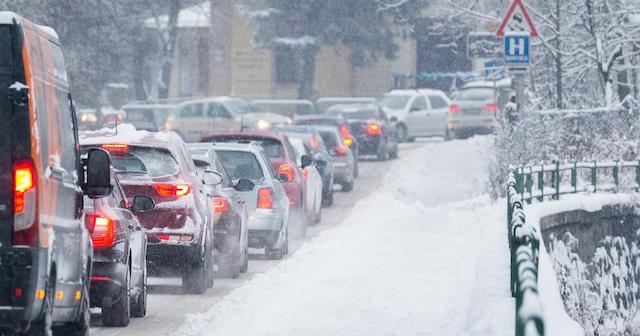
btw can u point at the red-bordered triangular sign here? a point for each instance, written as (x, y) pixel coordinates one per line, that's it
(517, 20)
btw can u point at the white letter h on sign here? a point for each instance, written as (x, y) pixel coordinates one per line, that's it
(516, 46)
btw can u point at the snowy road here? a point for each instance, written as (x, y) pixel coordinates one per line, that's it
(416, 249)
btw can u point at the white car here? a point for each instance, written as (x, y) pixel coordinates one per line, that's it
(417, 113)
(313, 181)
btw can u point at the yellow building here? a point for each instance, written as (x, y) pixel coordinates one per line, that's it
(215, 56)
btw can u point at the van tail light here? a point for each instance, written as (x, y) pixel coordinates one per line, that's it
(102, 230)
(265, 198)
(220, 205)
(172, 190)
(453, 109)
(374, 129)
(288, 170)
(338, 151)
(346, 135)
(491, 107)
(24, 203)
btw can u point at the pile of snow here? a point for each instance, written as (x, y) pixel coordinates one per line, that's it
(426, 254)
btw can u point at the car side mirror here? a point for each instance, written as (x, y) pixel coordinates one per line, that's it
(283, 178)
(321, 163)
(244, 185)
(98, 174)
(142, 203)
(393, 119)
(211, 178)
(305, 161)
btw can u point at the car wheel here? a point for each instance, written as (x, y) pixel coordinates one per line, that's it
(245, 261)
(285, 246)
(383, 151)
(118, 314)
(139, 306)
(208, 263)
(448, 135)
(402, 132)
(194, 277)
(318, 218)
(356, 168)
(394, 153)
(347, 186)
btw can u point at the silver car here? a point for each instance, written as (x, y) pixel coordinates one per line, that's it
(343, 159)
(267, 202)
(475, 109)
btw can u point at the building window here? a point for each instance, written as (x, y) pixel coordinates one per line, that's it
(203, 65)
(287, 66)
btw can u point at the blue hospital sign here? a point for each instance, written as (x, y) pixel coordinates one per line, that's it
(516, 49)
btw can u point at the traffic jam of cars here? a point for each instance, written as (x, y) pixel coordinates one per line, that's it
(103, 201)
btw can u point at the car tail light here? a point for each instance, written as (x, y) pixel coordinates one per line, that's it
(453, 109)
(314, 142)
(374, 129)
(24, 203)
(346, 135)
(172, 190)
(338, 151)
(102, 230)
(305, 174)
(265, 198)
(220, 205)
(116, 147)
(288, 170)
(491, 107)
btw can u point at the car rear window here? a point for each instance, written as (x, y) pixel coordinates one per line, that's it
(355, 114)
(272, 147)
(394, 102)
(240, 164)
(140, 115)
(153, 162)
(330, 138)
(475, 94)
(312, 122)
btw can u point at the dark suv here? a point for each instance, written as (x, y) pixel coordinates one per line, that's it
(180, 226)
(119, 271)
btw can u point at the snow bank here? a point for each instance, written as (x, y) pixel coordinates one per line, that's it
(426, 254)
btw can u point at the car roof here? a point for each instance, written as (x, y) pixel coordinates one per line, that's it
(354, 107)
(502, 83)
(318, 117)
(282, 101)
(233, 146)
(127, 134)
(247, 134)
(219, 99)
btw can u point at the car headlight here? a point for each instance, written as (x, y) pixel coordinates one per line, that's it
(289, 121)
(263, 124)
(88, 118)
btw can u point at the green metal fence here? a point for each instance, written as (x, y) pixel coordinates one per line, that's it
(549, 182)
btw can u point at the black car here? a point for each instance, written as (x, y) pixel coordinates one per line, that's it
(341, 123)
(369, 124)
(119, 273)
(230, 233)
(322, 159)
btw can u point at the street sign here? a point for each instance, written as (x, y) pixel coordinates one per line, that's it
(483, 45)
(517, 19)
(516, 49)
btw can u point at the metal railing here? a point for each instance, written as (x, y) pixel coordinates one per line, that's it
(541, 182)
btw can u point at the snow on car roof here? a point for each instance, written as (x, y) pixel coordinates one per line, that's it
(126, 134)
(506, 82)
(8, 17)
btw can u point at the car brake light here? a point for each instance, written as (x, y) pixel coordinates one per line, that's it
(172, 190)
(346, 135)
(314, 142)
(287, 170)
(306, 174)
(116, 147)
(102, 230)
(24, 203)
(265, 196)
(220, 205)
(491, 107)
(453, 108)
(339, 151)
(374, 129)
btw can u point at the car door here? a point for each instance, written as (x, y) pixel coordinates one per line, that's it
(417, 117)
(437, 119)
(221, 118)
(137, 238)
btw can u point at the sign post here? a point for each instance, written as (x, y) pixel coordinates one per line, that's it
(517, 29)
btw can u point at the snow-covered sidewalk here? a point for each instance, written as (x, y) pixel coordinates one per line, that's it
(426, 254)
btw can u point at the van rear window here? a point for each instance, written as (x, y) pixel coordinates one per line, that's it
(6, 49)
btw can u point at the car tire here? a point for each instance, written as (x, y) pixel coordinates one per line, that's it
(318, 218)
(394, 153)
(118, 314)
(285, 245)
(402, 132)
(383, 151)
(245, 261)
(347, 186)
(448, 135)
(327, 198)
(356, 168)
(139, 306)
(80, 327)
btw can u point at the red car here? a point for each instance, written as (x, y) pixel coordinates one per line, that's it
(282, 158)
(179, 228)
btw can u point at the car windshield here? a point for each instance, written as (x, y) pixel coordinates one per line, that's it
(330, 138)
(142, 160)
(477, 94)
(394, 102)
(241, 165)
(240, 106)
